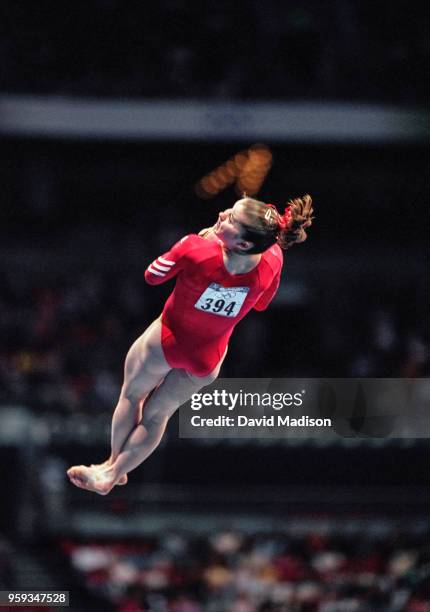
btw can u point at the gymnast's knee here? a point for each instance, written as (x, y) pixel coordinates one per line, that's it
(132, 393)
(157, 417)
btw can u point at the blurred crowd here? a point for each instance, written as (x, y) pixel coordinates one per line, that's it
(354, 49)
(63, 346)
(231, 571)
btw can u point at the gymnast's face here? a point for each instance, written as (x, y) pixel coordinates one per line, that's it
(229, 229)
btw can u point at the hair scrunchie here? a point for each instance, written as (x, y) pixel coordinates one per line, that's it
(285, 219)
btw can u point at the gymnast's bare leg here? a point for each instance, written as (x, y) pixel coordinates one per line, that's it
(175, 389)
(145, 367)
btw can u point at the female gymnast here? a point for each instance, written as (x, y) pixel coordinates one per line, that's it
(222, 274)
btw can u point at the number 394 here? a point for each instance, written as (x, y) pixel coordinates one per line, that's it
(219, 306)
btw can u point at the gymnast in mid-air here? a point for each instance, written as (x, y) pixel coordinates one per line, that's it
(222, 273)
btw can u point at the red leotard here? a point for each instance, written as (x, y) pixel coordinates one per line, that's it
(207, 301)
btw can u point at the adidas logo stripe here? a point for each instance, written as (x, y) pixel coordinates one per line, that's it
(160, 270)
(166, 261)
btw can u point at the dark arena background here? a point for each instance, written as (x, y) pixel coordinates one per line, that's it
(125, 126)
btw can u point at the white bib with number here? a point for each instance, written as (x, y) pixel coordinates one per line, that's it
(222, 301)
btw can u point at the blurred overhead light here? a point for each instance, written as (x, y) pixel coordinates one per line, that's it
(247, 169)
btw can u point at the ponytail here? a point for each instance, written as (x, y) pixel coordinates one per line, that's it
(293, 223)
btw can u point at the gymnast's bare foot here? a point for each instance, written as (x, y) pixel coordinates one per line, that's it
(121, 481)
(91, 479)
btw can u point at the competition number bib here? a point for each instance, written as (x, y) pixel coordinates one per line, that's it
(222, 301)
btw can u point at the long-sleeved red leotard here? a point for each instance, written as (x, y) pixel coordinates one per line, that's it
(207, 301)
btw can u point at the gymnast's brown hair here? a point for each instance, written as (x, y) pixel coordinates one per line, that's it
(267, 226)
